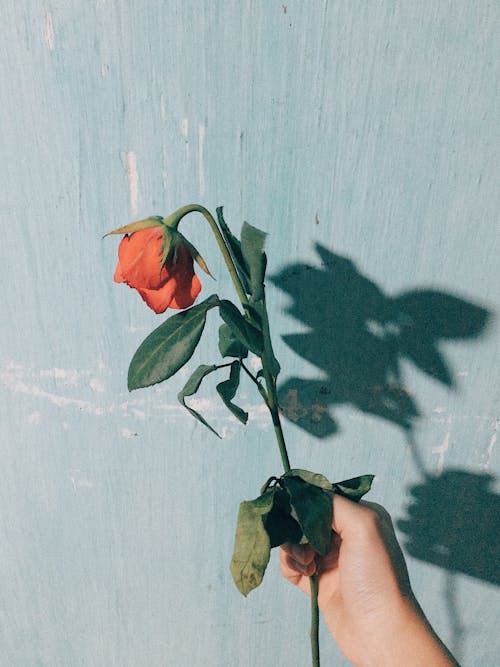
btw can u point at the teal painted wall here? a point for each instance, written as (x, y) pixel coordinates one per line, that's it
(363, 137)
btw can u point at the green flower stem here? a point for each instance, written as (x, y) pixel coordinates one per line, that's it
(174, 219)
(270, 396)
(314, 620)
(272, 404)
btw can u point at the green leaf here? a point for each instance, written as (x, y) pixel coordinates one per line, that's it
(234, 246)
(354, 488)
(252, 246)
(169, 347)
(191, 387)
(311, 478)
(245, 332)
(227, 390)
(313, 509)
(279, 523)
(229, 345)
(252, 546)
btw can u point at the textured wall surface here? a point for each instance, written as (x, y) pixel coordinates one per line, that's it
(363, 137)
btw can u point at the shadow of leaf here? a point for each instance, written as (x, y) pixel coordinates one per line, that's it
(357, 337)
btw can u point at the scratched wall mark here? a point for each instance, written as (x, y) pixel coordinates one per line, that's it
(49, 31)
(491, 446)
(441, 450)
(40, 385)
(201, 166)
(184, 128)
(133, 182)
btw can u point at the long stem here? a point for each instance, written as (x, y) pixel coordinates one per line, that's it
(176, 217)
(270, 395)
(272, 404)
(314, 620)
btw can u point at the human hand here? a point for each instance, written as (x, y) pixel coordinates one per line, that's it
(364, 590)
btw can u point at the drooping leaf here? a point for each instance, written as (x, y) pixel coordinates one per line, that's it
(169, 347)
(252, 246)
(354, 488)
(229, 345)
(191, 387)
(245, 332)
(258, 312)
(227, 391)
(279, 523)
(252, 546)
(311, 478)
(154, 221)
(234, 246)
(312, 506)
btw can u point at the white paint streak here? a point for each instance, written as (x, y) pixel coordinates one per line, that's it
(163, 107)
(255, 363)
(164, 172)
(67, 376)
(133, 182)
(201, 404)
(127, 433)
(49, 31)
(133, 329)
(184, 127)
(201, 167)
(491, 445)
(441, 450)
(96, 385)
(79, 481)
(20, 380)
(34, 417)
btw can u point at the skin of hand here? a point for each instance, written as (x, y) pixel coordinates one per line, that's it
(364, 591)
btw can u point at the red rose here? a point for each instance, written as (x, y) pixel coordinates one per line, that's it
(171, 285)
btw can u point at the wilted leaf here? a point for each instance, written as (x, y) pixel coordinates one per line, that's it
(354, 488)
(252, 246)
(229, 345)
(191, 387)
(313, 508)
(279, 523)
(227, 391)
(245, 332)
(251, 545)
(311, 478)
(169, 347)
(234, 246)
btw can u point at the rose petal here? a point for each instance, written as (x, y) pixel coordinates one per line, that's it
(185, 294)
(139, 260)
(159, 299)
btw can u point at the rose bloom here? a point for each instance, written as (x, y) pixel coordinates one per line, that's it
(174, 285)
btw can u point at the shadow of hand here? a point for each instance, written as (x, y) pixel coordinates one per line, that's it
(453, 521)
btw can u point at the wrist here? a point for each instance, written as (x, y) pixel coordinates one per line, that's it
(406, 638)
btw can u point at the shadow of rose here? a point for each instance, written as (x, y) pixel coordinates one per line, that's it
(357, 337)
